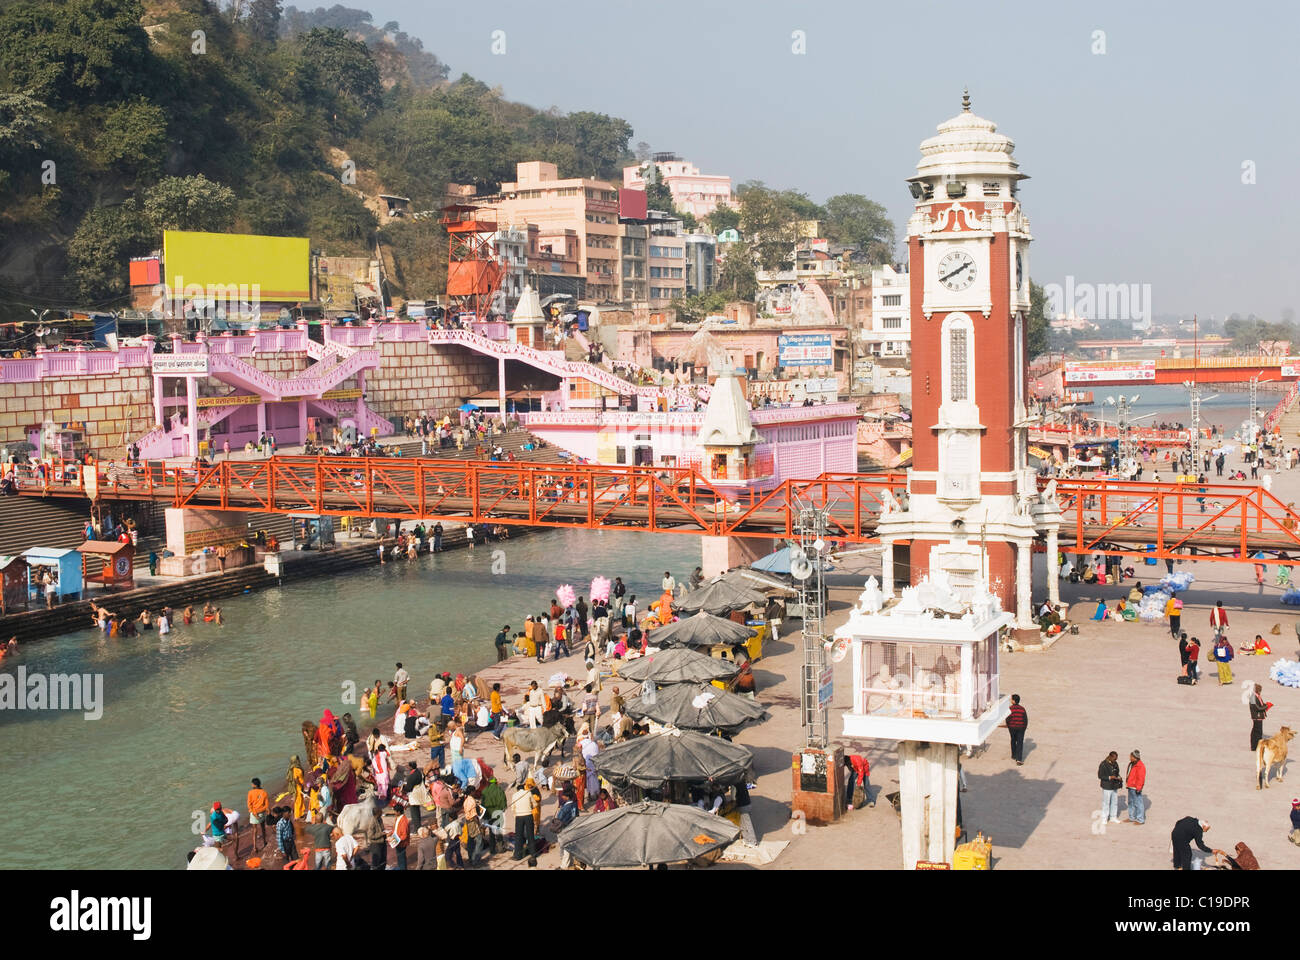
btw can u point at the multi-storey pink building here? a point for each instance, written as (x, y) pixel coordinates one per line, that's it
(693, 192)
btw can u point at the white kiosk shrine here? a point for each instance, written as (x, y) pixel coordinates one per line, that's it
(925, 673)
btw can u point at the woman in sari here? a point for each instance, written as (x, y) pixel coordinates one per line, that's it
(325, 790)
(456, 739)
(326, 734)
(1283, 570)
(343, 780)
(373, 698)
(399, 719)
(310, 742)
(296, 780)
(313, 797)
(381, 769)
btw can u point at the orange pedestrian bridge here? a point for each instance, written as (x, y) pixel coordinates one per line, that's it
(1176, 370)
(1178, 520)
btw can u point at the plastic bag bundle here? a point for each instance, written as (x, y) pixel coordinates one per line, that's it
(1152, 606)
(1285, 672)
(1176, 582)
(1154, 588)
(1292, 597)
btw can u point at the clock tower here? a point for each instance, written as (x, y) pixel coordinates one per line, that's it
(973, 509)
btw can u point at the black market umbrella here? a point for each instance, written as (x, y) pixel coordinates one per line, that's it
(697, 706)
(677, 665)
(645, 833)
(720, 596)
(680, 756)
(701, 630)
(760, 580)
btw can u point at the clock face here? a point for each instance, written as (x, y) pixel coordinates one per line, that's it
(957, 270)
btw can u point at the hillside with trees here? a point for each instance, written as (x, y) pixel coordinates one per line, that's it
(120, 118)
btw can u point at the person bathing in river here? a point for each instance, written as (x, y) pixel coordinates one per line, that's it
(188, 615)
(207, 612)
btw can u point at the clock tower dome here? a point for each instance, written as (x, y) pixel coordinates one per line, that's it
(973, 509)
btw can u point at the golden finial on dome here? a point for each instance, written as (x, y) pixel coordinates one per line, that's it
(965, 100)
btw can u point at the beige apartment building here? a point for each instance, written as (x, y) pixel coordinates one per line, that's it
(587, 207)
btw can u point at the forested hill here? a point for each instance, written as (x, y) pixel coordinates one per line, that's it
(120, 118)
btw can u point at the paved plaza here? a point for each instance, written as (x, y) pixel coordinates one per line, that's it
(1111, 687)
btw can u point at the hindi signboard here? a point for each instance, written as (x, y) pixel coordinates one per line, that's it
(1118, 370)
(805, 350)
(188, 364)
(233, 400)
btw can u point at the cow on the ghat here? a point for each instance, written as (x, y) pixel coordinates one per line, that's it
(539, 741)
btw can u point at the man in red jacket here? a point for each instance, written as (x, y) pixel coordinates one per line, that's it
(1017, 721)
(1135, 781)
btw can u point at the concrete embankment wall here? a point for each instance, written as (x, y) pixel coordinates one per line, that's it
(41, 522)
(415, 376)
(109, 406)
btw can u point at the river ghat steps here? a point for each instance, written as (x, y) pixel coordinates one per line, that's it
(27, 522)
(1289, 427)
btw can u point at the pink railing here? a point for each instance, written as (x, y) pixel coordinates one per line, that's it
(1285, 404)
(72, 363)
(20, 371)
(262, 341)
(777, 414)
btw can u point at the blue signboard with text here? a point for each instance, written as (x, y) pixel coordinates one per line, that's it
(805, 350)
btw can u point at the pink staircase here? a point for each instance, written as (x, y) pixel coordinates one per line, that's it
(553, 362)
(312, 382)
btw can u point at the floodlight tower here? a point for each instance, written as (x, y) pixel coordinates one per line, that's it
(807, 567)
(1195, 399)
(474, 271)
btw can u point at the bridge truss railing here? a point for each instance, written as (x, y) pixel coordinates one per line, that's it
(668, 500)
(1211, 521)
(1176, 520)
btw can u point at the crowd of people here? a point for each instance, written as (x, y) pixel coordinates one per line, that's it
(369, 802)
(117, 625)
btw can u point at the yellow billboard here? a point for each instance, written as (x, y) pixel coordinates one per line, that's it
(219, 265)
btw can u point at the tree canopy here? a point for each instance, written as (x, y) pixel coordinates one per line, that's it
(1036, 324)
(249, 117)
(851, 218)
(189, 203)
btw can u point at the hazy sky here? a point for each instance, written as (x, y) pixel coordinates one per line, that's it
(1135, 154)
